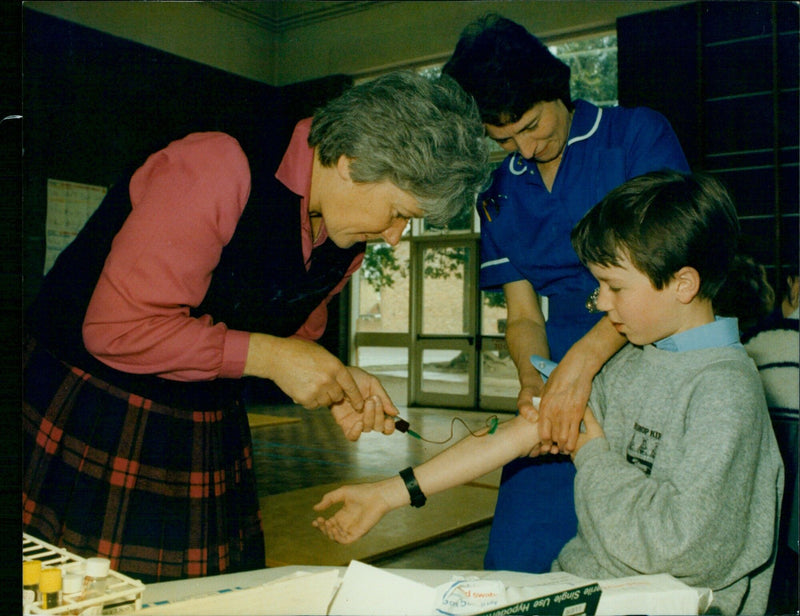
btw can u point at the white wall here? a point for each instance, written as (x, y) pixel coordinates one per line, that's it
(384, 34)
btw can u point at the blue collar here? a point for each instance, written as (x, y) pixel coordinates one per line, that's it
(724, 331)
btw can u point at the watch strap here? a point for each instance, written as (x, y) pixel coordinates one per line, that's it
(417, 497)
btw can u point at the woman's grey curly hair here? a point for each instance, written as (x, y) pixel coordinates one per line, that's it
(423, 135)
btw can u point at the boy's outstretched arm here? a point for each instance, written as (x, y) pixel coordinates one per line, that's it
(365, 504)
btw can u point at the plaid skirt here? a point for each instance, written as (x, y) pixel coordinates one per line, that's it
(164, 493)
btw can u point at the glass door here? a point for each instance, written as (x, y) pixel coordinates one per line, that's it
(443, 332)
(421, 325)
(379, 316)
(498, 384)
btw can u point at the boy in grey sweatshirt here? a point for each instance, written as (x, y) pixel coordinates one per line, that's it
(678, 470)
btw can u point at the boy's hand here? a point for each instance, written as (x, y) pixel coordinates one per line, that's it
(364, 506)
(593, 430)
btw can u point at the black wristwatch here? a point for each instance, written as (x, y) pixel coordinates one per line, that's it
(417, 497)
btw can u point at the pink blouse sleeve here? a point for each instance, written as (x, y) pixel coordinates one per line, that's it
(187, 200)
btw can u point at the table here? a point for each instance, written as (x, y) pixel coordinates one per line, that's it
(653, 594)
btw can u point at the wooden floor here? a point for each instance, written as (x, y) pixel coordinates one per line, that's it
(296, 462)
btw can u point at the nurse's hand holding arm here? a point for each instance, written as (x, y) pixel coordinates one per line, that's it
(567, 390)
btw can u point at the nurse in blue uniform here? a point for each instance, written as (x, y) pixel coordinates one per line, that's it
(564, 157)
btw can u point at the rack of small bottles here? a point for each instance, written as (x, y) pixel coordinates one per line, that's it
(55, 581)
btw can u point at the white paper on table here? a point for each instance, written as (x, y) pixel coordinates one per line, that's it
(369, 590)
(301, 593)
(654, 595)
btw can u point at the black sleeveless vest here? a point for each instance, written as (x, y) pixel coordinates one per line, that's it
(259, 285)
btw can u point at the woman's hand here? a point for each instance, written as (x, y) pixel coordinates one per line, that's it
(377, 413)
(566, 392)
(364, 506)
(525, 403)
(304, 371)
(564, 400)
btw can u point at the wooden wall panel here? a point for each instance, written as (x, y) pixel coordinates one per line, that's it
(726, 75)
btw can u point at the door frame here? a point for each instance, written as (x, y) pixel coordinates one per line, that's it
(467, 342)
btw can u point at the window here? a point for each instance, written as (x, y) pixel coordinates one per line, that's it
(593, 62)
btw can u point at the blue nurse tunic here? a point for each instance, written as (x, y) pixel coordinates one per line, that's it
(525, 236)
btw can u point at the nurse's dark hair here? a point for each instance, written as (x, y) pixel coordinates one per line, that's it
(423, 135)
(506, 69)
(663, 221)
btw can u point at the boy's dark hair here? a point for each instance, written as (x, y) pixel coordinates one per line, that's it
(663, 221)
(506, 69)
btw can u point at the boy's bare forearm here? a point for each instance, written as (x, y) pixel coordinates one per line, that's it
(474, 456)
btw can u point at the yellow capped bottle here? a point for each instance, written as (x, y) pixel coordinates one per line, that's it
(50, 588)
(31, 571)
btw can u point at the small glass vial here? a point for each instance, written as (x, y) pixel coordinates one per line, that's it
(94, 582)
(31, 573)
(50, 588)
(72, 590)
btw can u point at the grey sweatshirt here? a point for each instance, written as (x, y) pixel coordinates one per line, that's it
(688, 479)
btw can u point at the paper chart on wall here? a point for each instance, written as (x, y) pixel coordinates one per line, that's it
(69, 205)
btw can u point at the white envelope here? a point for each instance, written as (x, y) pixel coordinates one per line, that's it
(369, 590)
(302, 593)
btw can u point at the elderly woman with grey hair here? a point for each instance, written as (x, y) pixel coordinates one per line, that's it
(205, 265)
